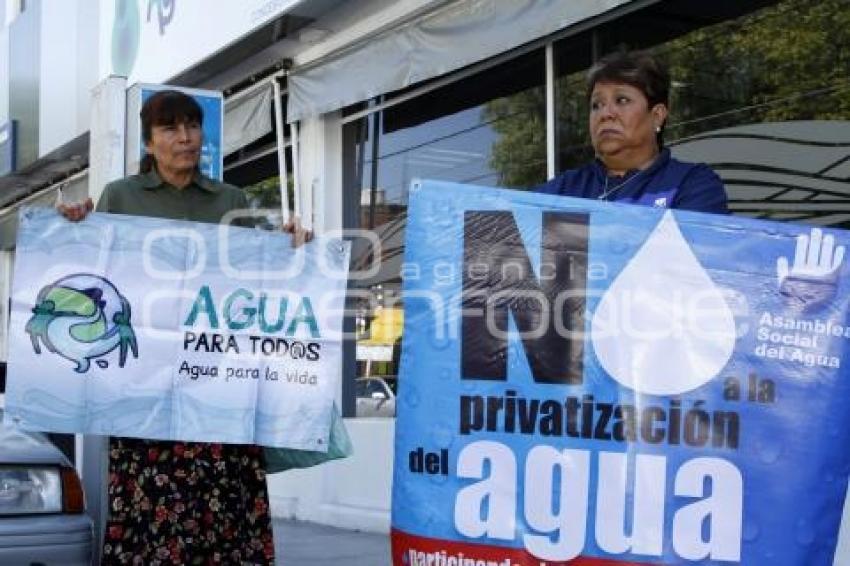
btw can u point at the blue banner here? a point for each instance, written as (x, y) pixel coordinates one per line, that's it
(612, 384)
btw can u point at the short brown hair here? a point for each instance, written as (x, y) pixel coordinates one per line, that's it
(639, 69)
(166, 108)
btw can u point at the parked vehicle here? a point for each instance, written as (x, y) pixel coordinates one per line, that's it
(42, 505)
(375, 397)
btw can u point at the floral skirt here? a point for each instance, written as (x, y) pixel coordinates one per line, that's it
(187, 503)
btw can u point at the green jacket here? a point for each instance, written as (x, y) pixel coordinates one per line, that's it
(204, 200)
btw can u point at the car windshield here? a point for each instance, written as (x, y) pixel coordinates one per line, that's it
(366, 387)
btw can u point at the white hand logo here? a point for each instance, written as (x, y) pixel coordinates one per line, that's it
(816, 258)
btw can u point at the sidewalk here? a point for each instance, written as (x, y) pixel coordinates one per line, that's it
(299, 543)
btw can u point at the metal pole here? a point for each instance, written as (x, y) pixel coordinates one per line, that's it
(296, 168)
(255, 87)
(551, 123)
(281, 151)
(373, 189)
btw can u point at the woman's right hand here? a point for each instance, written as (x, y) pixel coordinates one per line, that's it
(77, 211)
(300, 235)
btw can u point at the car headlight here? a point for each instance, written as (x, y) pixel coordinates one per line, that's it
(28, 489)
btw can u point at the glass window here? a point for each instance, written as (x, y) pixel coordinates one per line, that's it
(760, 91)
(765, 100)
(368, 387)
(255, 169)
(487, 129)
(573, 56)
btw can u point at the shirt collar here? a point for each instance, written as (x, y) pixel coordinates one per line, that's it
(206, 183)
(660, 161)
(151, 180)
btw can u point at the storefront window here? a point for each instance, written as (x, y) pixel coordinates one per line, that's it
(760, 92)
(255, 169)
(764, 98)
(487, 129)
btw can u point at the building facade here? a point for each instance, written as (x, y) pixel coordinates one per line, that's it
(345, 103)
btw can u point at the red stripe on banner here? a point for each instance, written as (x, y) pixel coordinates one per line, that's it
(410, 550)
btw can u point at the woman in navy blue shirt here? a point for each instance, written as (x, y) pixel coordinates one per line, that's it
(629, 95)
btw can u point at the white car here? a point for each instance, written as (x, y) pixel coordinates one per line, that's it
(375, 398)
(42, 506)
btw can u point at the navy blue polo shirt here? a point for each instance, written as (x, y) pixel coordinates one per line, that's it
(667, 183)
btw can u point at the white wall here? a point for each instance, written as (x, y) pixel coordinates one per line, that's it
(58, 95)
(88, 52)
(68, 70)
(351, 494)
(321, 172)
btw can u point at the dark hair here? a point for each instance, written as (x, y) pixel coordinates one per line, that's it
(166, 108)
(639, 69)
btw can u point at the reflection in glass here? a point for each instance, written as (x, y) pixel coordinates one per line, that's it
(762, 97)
(487, 129)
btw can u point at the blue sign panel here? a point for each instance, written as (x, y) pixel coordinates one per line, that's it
(211, 163)
(604, 384)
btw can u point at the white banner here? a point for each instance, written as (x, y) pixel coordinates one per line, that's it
(163, 329)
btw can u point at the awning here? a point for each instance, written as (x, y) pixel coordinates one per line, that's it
(37, 183)
(449, 38)
(247, 118)
(48, 170)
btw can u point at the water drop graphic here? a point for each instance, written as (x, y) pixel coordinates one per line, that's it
(663, 327)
